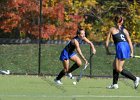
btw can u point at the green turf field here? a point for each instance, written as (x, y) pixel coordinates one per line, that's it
(43, 88)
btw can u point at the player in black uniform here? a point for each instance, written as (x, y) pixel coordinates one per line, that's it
(69, 54)
(124, 50)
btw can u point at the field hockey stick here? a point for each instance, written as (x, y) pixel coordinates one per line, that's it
(81, 73)
(136, 57)
(85, 66)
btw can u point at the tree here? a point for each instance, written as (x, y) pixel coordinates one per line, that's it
(62, 17)
(18, 14)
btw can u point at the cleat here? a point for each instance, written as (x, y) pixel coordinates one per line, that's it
(113, 86)
(58, 82)
(136, 83)
(70, 76)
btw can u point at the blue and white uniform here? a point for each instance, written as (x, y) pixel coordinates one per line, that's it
(121, 44)
(68, 51)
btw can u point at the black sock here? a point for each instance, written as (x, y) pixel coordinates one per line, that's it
(61, 74)
(128, 74)
(73, 67)
(115, 76)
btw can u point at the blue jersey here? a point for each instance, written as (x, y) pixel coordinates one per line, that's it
(70, 47)
(121, 44)
(68, 51)
(119, 37)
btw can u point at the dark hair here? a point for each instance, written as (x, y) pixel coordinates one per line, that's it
(79, 31)
(118, 19)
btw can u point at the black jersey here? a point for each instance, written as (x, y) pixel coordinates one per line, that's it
(119, 37)
(70, 47)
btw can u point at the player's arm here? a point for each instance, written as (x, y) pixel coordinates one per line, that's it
(91, 45)
(129, 41)
(78, 49)
(107, 42)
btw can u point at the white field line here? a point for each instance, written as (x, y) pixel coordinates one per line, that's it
(69, 96)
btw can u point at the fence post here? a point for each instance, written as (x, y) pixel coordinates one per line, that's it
(90, 63)
(39, 42)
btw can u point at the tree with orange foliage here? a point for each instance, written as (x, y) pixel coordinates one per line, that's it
(23, 15)
(18, 14)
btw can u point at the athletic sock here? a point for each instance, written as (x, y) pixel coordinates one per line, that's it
(73, 67)
(128, 74)
(61, 74)
(115, 76)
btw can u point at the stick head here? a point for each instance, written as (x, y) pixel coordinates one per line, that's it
(85, 66)
(136, 56)
(78, 79)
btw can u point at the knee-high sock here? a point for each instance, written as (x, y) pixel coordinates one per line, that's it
(60, 75)
(128, 74)
(73, 67)
(115, 76)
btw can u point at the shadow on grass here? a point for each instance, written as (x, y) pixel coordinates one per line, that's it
(51, 83)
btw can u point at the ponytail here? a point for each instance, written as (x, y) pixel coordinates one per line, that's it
(118, 19)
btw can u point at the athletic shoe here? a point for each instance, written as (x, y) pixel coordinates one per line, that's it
(70, 76)
(58, 82)
(136, 83)
(113, 86)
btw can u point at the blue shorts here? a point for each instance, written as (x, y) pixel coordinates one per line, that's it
(122, 50)
(66, 55)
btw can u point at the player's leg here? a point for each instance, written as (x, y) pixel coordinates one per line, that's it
(62, 72)
(64, 57)
(126, 73)
(77, 63)
(115, 73)
(119, 69)
(114, 85)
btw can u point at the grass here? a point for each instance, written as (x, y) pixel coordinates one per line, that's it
(14, 87)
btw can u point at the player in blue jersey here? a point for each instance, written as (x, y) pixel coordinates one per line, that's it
(124, 50)
(68, 53)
